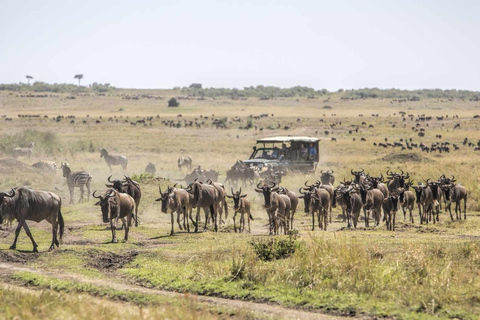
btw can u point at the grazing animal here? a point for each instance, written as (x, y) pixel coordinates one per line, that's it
(113, 160)
(424, 197)
(177, 200)
(115, 206)
(129, 187)
(23, 203)
(407, 201)
(456, 193)
(24, 152)
(240, 205)
(151, 169)
(320, 203)
(372, 200)
(359, 176)
(294, 203)
(356, 205)
(46, 166)
(184, 162)
(277, 206)
(221, 199)
(396, 180)
(390, 208)
(327, 177)
(377, 183)
(79, 179)
(204, 196)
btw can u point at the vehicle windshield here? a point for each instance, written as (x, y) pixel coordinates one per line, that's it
(266, 153)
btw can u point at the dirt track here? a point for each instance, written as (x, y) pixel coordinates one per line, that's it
(262, 309)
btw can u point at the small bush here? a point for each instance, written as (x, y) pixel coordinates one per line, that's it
(268, 249)
(173, 102)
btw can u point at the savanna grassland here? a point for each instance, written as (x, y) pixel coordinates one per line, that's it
(417, 272)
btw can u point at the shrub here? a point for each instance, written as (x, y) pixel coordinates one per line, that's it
(173, 102)
(268, 249)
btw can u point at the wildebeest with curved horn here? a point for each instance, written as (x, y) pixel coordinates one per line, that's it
(130, 187)
(204, 196)
(277, 206)
(240, 205)
(396, 180)
(23, 203)
(407, 201)
(390, 208)
(320, 203)
(359, 176)
(115, 206)
(423, 194)
(177, 200)
(327, 177)
(293, 201)
(456, 193)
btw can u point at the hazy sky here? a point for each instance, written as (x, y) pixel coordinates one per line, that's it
(322, 44)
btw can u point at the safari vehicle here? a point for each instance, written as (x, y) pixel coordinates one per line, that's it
(293, 153)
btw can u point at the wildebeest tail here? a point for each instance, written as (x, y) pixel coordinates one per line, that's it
(61, 224)
(251, 217)
(212, 212)
(226, 208)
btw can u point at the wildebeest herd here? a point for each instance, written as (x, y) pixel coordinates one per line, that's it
(379, 197)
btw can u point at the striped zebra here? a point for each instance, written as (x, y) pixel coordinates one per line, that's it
(77, 179)
(24, 152)
(113, 160)
(46, 166)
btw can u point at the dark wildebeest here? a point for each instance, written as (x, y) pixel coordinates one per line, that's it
(423, 194)
(177, 200)
(330, 190)
(151, 169)
(359, 176)
(221, 199)
(396, 180)
(241, 205)
(130, 187)
(372, 200)
(407, 200)
(456, 193)
(79, 179)
(293, 201)
(320, 203)
(356, 205)
(204, 196)
(436, 197)
(184, 162)
(327, 177)
(390, 208)
(23, 203)
(377, 183)
(113, 160)
(277, 206)
(115, 206)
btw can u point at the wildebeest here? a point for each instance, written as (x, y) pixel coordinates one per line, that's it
(423, 194)
(113, 160)
(23, 203)
(79, 179)
(200, 175)
(359, 176)
(277, 206)
(320, 203)
(390, 208)
(151, 169)
(184, 162)
(356, 205)
(294, 203)
(46, 166)
(372, 200)
(327, 177)
(177, 200)
(24, 152)
(377, 183)
(396, 180)
(407, 201)
(204, 196)
(456, 193)
(221, 199)
(240, 205)
(115, 206)
(129, 187)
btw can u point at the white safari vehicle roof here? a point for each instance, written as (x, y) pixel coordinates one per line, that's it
(287, 139)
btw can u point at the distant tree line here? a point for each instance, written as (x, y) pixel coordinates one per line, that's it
(39, 86)
(266, 92)
(412, 95)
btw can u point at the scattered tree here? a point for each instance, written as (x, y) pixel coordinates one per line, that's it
(79, 77)
(173, 102)
(28, 79)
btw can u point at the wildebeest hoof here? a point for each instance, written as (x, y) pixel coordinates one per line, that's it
(13, 247)
(49, 249)
(114, 241)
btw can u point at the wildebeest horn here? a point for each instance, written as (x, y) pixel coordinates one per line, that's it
(363, 170)
(109, 179)
(175, 185)
(352, 172)
(453, 178)
(231, 188)
(330, 171)
(111, 194)
(427, 181)
(381, 176)
(389, 173)
(258, 185)
(98, 197)
(160, 189)
(306, 185)
(300, 190)
(273, 186)
(240, 192)
(402, 171)
(11, 195)
(321, 171)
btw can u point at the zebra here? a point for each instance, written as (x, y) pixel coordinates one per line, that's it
(77, 179)
(24, 152)
(113, 160)
(47, 166)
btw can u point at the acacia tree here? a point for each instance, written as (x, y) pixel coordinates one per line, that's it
(28, 79)
(79, 77)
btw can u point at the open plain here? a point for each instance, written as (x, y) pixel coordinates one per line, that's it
(426, 271)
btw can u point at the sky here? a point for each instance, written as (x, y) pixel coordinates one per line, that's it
(320, 44)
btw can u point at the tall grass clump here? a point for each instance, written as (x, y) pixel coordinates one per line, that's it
(45, 142)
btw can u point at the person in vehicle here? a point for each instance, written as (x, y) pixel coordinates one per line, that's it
(312, 152)
(304, 152)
